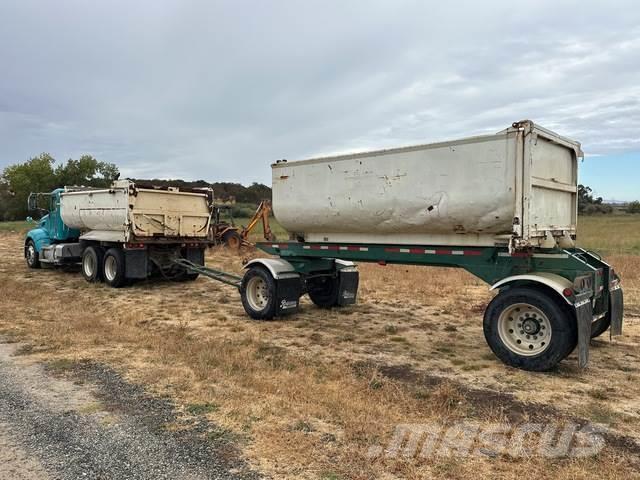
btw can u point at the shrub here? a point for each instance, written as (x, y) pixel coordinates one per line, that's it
(633, 207)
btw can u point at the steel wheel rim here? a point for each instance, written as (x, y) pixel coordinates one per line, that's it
(524, 329)
(110, 268)
(257, 293)
(31, 253)
(89, 265)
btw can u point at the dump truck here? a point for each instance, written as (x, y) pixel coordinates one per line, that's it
(501, 206)
(123, 233)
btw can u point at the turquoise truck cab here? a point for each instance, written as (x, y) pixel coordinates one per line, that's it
(51, 229)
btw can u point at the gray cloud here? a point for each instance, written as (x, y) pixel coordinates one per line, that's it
(218, 90)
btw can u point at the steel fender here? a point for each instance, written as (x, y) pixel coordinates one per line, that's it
(555, 282)
(278, 267)
(345, 265)
(39, 237)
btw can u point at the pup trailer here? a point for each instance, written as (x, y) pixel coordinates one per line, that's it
(503, 207)
(123, 233)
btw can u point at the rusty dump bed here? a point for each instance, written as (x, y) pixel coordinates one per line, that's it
(126, 212)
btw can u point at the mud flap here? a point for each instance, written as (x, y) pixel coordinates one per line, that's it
(288, 291)
(348, 286)
(584, 316)
(617, 310)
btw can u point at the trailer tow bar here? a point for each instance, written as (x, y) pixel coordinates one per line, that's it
(224, 277)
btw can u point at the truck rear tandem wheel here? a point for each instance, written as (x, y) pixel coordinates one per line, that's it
(114, 268)
(128, 263)
(92, 263)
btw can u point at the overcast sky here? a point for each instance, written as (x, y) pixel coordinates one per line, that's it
(219, 90)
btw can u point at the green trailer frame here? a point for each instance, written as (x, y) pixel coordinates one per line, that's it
(584, 282)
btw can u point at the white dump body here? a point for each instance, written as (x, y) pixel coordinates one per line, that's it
(125, 213)
(518, 186)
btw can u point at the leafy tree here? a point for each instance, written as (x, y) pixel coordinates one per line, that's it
(39, 175)
(588, 205)
(87, 172)
(34, 175)
(633, 207)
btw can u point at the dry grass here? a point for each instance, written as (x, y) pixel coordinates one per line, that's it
(302, 395)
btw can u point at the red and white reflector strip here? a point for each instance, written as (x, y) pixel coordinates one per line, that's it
(430, 251)
(350, 248)
(535, 255)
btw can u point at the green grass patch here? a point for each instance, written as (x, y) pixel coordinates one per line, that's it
(19, 226)
(610, 234)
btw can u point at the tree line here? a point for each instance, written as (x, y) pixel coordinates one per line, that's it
(590, 205)
(43, 174)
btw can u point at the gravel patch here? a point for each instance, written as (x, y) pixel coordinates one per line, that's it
(86, 421)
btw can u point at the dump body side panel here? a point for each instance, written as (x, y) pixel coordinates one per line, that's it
(480, 191)
(455, 192)
(169, 214)
(127, 213)
(103, 210)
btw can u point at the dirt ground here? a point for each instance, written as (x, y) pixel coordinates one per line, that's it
(308, 396)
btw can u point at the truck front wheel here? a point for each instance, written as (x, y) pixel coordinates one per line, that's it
(31, 255)
(92, 259)
(258, 294)
(114, 268)
(528, 329)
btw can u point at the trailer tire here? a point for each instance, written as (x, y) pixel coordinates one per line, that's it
(92, 264)
(114, 268)
(543, 333)
(31, 254)
(187, 277)
(258, 293)
(232, 239)
(323, 291)
(600, 326)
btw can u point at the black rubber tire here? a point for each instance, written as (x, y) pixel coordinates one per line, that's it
(269, 310)
(564, 337)
(33, 261)
(600, 326)
(187, 277)
(232, 239)
(119, 279)
(323, 291)
(96, 254)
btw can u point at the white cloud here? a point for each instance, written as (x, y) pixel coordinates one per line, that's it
(218, 90)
